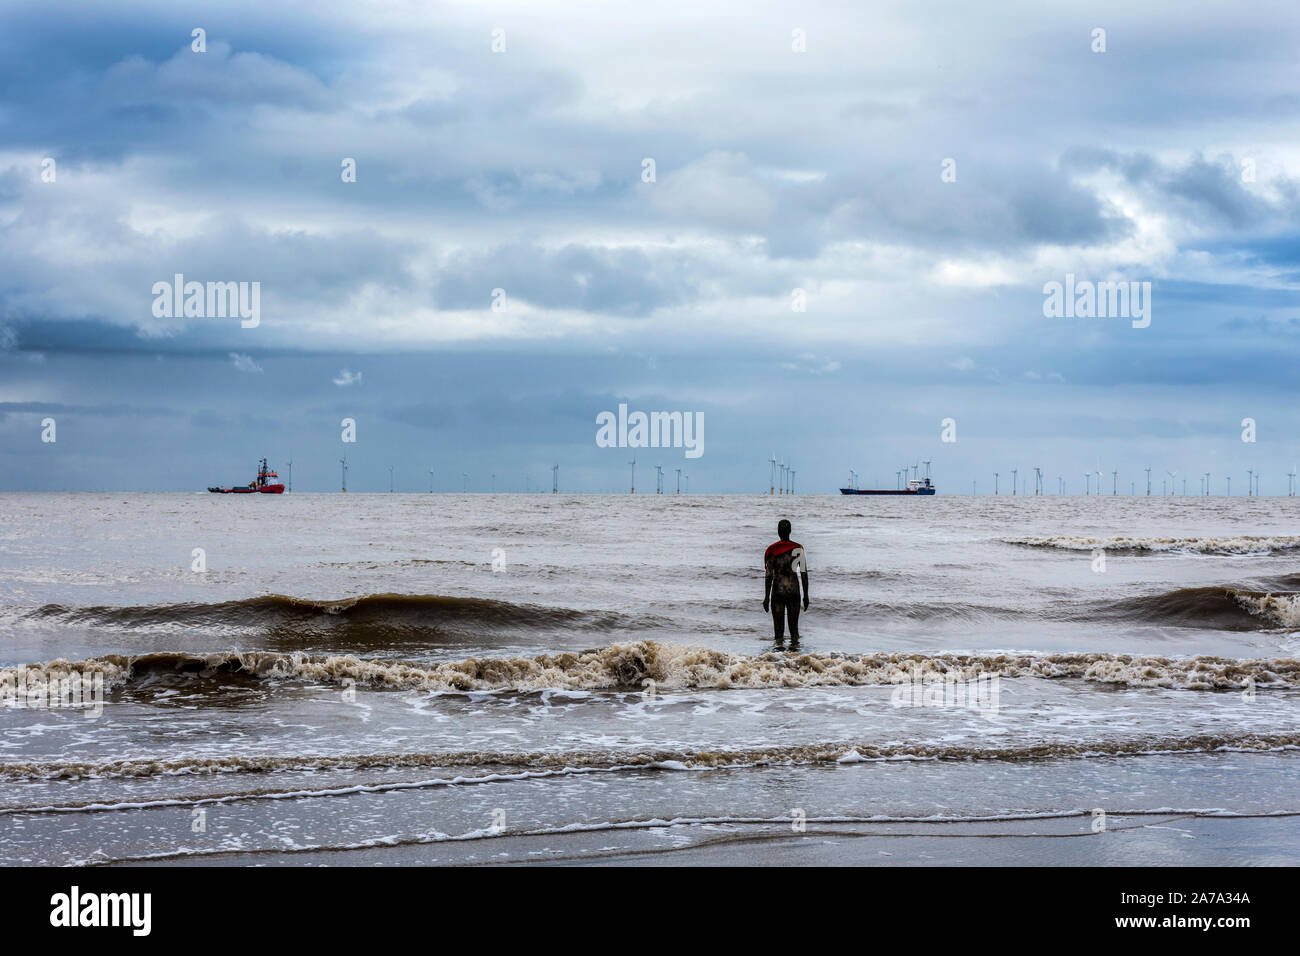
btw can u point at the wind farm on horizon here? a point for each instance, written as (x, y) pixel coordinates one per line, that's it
(782, 481)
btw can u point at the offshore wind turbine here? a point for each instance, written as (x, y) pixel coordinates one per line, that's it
(679, 481)
(1114, 483)
(1013, 480)
(1250, 482)
(555, 479)
(1290, 482)
(1087, 483)
(430, 481)
(633, 464)
(1148, 481)
(344, 463)
(995, 482)
(771, 490)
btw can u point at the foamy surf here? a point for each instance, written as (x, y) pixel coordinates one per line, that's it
(643, 664)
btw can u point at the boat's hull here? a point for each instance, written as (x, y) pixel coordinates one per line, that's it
(891, 491)
(264, 490)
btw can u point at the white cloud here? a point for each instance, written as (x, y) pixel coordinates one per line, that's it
(346, 377)
(244, 363)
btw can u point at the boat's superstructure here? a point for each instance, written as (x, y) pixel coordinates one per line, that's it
(260, 485)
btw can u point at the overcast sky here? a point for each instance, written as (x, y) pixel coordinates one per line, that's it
(1173, 157)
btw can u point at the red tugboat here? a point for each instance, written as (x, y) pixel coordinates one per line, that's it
(260, 484)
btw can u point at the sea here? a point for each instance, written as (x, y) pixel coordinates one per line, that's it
(416, 679)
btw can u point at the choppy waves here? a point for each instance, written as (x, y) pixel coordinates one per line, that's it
(379, 620)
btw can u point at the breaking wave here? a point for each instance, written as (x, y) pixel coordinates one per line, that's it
(670, 666)
(1219, 607)
(1239, 544)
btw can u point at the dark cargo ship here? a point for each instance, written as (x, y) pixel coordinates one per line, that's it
(916, 486)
